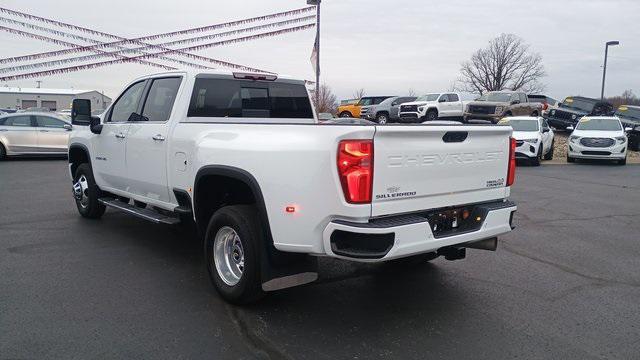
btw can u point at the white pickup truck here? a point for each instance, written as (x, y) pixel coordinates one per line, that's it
(434, 106)
(243, 158)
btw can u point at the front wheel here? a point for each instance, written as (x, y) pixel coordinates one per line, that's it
(622, 162)
(431, 115)
(345, 114)
(570, 159)
(86, 193)
(382, 119)
(549, 154)
(232, 246)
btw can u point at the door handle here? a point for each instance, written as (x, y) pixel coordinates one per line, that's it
(158, 137)
(120, 135)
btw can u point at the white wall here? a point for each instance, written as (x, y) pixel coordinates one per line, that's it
(14, 100)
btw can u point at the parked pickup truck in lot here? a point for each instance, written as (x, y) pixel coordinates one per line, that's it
(243, 159)
(431, 107)
(495, 105)
(630, 117)
(573, 108)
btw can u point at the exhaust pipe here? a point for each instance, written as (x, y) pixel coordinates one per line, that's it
(490, 244)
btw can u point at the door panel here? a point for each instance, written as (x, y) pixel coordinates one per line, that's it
(147, 142)
(52, 136)
(20, 135)
(109, 153)
(108, 163)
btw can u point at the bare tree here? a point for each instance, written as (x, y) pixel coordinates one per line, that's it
(358, 93)
(411, 92)
(326, 101)
(627, 98)
(507, 63)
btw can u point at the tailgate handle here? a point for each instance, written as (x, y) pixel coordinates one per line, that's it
(455, 136)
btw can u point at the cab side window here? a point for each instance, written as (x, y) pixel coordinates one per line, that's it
(443, 98)
(523, 98)
(159, 102)
(127, 103)
(453, 97)
(22, 121)
(49, 122)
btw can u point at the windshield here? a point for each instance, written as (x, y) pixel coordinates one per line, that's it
(428, 97)
(599, 124)
(496, 96)
(628, 113)
(520, 125)
(580, 104)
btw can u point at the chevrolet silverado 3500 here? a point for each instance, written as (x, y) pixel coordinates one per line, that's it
(243, 158)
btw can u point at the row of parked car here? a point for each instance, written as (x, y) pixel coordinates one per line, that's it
(491, 106)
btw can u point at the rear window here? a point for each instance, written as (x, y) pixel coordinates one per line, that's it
(249, 99)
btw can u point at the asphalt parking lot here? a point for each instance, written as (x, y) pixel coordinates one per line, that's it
(565, 284)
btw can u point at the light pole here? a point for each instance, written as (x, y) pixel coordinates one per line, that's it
(604, 70)
(317, 46)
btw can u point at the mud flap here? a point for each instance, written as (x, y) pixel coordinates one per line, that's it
(281, 270)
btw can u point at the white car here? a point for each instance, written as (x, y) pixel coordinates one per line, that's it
(534, 138)
(434, 106)
(598, 137)
(243, 158)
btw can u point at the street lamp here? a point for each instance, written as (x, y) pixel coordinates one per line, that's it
(604, 70)
(317, 46)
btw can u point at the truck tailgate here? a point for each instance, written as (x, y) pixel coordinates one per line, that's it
(433, 166)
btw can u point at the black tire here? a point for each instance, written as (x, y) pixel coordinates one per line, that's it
(536, 161)
(431, 115)
(382, 118)
(244, 220)
(534, 114)
(92, 209)
(622, 162)
(345, 114)
(3, 152)
(570, 159)
(549, 154)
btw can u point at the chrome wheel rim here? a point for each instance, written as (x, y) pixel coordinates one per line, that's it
(228, 255)
(81, 191)
(382, 119)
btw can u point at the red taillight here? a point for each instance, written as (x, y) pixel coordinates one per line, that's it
(511, 171)
(545, 105)
(355, 168)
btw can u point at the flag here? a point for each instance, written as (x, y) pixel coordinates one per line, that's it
(314, 57)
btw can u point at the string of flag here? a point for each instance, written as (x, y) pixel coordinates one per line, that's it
(123, 50)
(154, 55)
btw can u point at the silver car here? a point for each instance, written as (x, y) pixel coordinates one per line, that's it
(33, 133)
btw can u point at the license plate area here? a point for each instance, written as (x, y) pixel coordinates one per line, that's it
(456, 220)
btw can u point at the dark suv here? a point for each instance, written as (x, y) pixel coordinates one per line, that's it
(575, 107)
(630, 117)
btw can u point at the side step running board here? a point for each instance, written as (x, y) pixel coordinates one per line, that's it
(146, 214)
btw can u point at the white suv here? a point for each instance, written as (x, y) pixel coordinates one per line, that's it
(600, 137)
(534, 138)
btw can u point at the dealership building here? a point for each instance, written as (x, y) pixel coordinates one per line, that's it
(52, 99)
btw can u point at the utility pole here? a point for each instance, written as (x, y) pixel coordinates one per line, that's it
(604, 69)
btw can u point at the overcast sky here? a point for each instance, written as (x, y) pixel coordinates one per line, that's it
(385, 47)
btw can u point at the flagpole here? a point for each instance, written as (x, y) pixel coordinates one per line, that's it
(317, 46)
